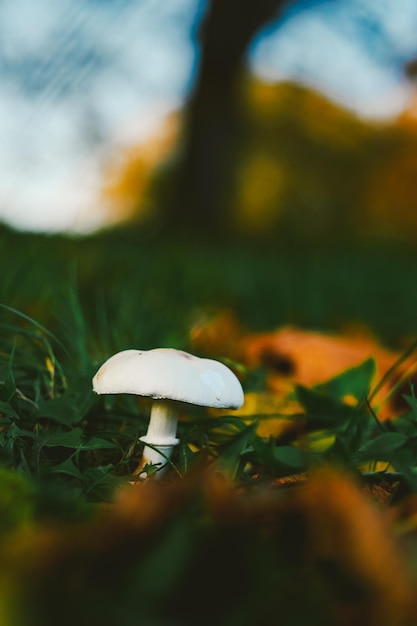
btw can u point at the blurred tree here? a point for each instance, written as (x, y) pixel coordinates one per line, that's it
(302, 164)
(254, 157)
(205, 177)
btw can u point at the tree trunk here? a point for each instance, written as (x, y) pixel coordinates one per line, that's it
(202, 200)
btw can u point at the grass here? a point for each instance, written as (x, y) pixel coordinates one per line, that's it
(68, 304)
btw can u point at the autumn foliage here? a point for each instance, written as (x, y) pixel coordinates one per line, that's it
(322, 552)
(303, 163)
(291, 355)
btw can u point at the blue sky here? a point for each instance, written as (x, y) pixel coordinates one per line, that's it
(354, 51)
(80, 79)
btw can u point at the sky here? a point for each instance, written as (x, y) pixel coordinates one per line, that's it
(81, 79)
(353, 51)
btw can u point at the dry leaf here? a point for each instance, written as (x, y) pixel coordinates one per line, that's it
(293, 355)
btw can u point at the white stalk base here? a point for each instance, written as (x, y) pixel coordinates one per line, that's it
(161, 436)
(158, 455)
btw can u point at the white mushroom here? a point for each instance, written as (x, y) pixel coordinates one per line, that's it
(168, 376)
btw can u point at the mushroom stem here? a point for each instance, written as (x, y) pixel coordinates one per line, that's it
(163, 421)
(161, 435)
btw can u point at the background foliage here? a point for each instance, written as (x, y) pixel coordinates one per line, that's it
(275, 208)
(67, 456)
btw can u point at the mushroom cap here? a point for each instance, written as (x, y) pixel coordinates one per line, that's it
(167, 373)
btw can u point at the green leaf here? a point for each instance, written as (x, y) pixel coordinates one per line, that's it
(61, 410)
(323, 408)
(231, 452)
(355, 382)
(289, 456)
(382, 446)
(96, 443)
(150, 469)
(411, 401)
(66, 410)
(8, 411)
(14, 431)
(69, 439)
(77, 440)
(71, 407)
(67, 467)
(100, 482)
(406, 423)
(391, 371)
